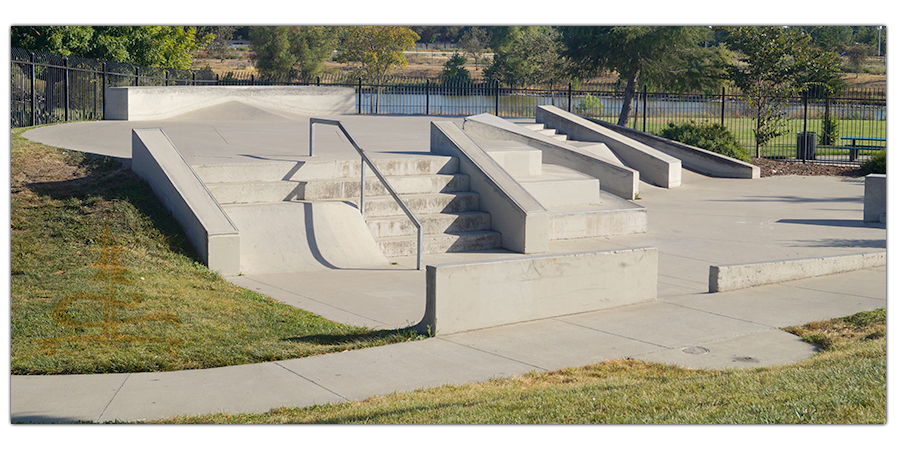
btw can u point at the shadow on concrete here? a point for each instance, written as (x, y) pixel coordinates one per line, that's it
(794, 199)
(43, 419)
(831, 222)
(842, 243)
(374, 335)
(311, 236)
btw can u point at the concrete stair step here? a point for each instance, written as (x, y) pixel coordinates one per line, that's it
(322, 168)
(559, 186)
(441, 243)
(401, 226)
(402, 184)
(588, 223)
(423, 204)
(516, 158)
(254, 192)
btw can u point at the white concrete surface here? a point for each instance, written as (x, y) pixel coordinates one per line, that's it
(144, 103)
(207, 227)
(738, 276)
(476, 295)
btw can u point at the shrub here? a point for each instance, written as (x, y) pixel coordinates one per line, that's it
(712, 137)
(589, 106)
(875, 165)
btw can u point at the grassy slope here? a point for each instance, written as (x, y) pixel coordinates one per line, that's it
(61, 202)
(845, 383)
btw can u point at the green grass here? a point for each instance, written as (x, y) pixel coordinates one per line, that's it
(61, 203)
(845, 383)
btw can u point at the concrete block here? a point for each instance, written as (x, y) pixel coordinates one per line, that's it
(481, 294)
(207, 227)
(655, 166)
(875, 204)
(739, 276)
(144, 103)
(519, 217)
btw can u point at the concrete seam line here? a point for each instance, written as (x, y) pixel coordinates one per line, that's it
(739, 276)
(105, 408)
(313, 382)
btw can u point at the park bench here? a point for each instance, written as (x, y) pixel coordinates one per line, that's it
(854, 148)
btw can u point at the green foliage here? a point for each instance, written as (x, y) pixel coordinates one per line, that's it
(876, 165)
(830, 130)
(454, 71)
(475, 41)
(154, 46)
(292, 51)
(709, 136)
(375, 49)
(589, 106)
(528, 55)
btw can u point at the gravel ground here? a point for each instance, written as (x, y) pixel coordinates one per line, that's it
(768, 168)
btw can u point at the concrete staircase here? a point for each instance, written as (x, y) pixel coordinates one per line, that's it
(577, 206)
(430, 185)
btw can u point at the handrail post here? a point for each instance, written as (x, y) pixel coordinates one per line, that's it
(362, 185)
(312, 139)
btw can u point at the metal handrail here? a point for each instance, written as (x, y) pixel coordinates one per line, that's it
(365, 160)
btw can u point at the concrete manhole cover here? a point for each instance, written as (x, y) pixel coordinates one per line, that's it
(695, 350)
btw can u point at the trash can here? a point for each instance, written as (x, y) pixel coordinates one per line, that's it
(806, 145)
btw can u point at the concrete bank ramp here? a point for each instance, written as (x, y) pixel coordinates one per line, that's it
(295, 236)
(234, 111)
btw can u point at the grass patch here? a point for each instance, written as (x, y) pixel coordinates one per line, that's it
(135, 298)
(845, 383)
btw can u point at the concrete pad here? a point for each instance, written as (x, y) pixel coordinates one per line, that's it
(663, 324)
(252, 388)
(759, 349)
(551, 344)
(404, 367)
(77, 397)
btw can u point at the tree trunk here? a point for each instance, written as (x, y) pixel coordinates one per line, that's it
(630, 88)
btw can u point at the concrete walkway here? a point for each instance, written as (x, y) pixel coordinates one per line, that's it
(705, 222)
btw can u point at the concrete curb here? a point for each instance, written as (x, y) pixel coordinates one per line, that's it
(739, 276)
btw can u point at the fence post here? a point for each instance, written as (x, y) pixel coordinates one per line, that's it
(497, 97)
(33, 93)
(645, 108)
(723, 106)
(318, 80)
(359, 96)
(427, 96)
(137, 76)
(569, 108)
(66, 87)
(217, 79)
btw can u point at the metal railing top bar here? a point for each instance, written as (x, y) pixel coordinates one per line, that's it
(365, 160)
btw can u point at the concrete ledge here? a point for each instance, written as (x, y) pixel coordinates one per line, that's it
(475, 295)
(521, 220)
(618, 180)
(692, 158)
(142, 103)
(216, 239)
(875, 203)
(739, 276)
(656, 167)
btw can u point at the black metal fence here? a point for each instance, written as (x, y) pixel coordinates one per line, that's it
(47, 88)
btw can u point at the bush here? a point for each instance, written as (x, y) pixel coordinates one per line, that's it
(712, 137)
(876, 165)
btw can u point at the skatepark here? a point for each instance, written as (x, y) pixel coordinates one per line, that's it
(545, 243)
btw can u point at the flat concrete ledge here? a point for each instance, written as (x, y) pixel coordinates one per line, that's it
(875, 203)
(521, 220)
(144, 103)
(615, 179)
(475, 295)
(156, 160)
(656, 166)
(692, 158)
(739, 276)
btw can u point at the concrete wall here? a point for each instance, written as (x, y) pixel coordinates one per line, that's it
(207, 227)
(692, 158)
(521, 220)
(739, 276)
(875, 203)
(618, 180)
(655, 166)
(141, 103)
(476, 295)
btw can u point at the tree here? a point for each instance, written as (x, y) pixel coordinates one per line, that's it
(773, 64)
(455, 72)
(154, 46)
(219, 36)
(375, 50)
(661, 55)
(475, 42)
(527, 55)
(857, 55)
(292, 51)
